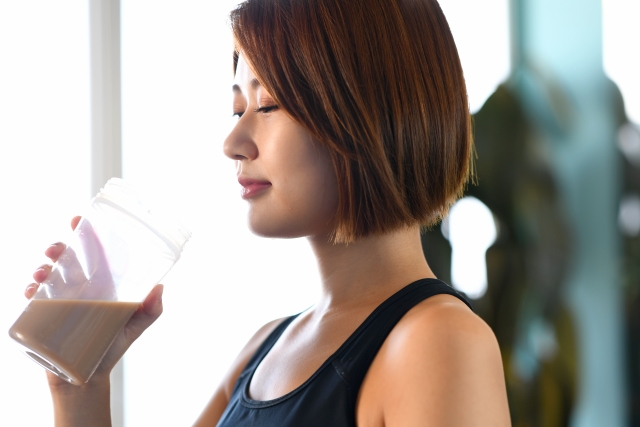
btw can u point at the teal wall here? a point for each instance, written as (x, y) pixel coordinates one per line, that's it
(558, 73)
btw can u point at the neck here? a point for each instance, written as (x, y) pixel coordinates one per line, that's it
(368, 271)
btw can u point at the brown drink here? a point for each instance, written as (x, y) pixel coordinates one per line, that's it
(70, 337)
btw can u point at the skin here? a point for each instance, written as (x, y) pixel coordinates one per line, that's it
(439, 358)
(440, 366)
(89, 404)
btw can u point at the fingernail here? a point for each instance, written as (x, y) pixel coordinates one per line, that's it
(53, 247)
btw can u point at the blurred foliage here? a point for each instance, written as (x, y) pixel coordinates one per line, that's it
(526, 266)
(631, 280)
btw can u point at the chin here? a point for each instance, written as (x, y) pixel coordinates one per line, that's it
(284, 224)
(274, 232)
(272, 226)
(285, 228)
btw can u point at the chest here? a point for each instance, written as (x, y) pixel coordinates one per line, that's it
(304, 354)
(299, 352)
(333, 372)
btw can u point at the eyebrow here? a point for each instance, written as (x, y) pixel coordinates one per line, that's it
(255, 84)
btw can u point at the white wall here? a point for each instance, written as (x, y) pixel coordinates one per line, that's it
(176, 80)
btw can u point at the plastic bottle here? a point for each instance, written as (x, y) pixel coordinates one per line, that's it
(119, 251)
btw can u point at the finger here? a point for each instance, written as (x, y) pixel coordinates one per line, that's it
(152, 304)
(95, 259)
(41, 273)
(53, 252)
(32, 288)
(148, 312)
(74, 222)
(68, 271)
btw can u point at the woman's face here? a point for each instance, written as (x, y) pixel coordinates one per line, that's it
(286, 175)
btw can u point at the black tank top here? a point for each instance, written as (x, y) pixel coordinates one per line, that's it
(328, 398)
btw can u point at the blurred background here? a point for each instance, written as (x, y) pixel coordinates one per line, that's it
(548, 235)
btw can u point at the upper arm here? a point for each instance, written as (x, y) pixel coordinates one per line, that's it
(440, 366)
(218, 402)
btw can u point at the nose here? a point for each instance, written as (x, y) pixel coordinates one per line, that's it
(239, 144)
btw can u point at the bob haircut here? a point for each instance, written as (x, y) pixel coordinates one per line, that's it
(379, 82)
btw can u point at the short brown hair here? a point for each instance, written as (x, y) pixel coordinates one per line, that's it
(380, 83)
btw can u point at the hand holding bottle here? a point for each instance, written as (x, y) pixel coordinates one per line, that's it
(102, 280)
(147, 313)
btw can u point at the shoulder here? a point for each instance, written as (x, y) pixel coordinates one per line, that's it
(440, 357)
(443, 320)
(218, 402)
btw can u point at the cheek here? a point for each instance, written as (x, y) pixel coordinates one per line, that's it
(304, 197)
(313, 170)
(315, 192)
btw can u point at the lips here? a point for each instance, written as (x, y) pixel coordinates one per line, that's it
(253, 187)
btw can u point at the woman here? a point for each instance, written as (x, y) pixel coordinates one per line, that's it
(353, 131)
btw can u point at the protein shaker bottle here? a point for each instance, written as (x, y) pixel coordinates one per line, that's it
(119, 251)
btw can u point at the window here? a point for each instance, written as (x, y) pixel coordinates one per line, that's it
(44, 168)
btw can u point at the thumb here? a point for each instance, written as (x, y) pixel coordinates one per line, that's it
(148, 312)
(152, 304)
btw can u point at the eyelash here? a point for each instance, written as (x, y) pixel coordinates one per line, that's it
(265, 110)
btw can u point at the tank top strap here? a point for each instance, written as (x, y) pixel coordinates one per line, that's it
(355, 357)
(264, 348)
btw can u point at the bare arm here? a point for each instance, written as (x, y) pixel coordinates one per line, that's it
(441, 367)
(89, 404)
(81, 405)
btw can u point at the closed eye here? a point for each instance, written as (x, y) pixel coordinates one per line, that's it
(266, 109)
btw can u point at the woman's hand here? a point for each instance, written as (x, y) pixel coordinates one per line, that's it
(146, 314)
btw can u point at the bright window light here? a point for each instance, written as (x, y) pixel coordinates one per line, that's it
(44, 169)
(621, 33)
(177, 110)
(482, 35)
(471, 230)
